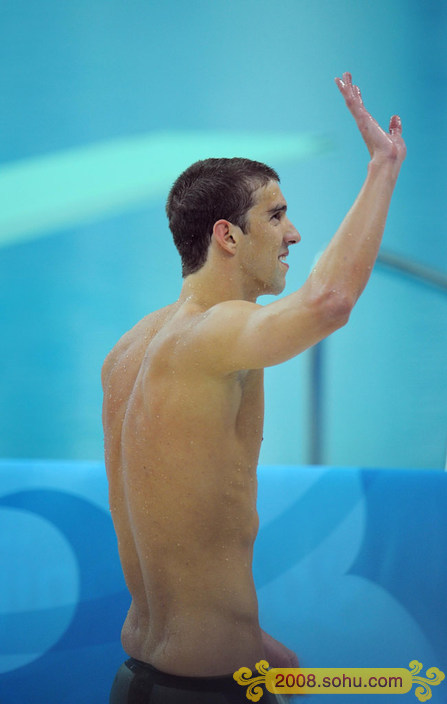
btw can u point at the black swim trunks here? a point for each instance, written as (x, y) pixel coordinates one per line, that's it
(139, 683)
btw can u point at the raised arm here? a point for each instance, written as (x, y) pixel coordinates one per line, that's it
(350, 256)
(253, 336)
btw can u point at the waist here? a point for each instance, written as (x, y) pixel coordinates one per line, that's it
(195, 642)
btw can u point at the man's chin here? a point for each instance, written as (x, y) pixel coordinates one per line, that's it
(278, 288)
(272, 290)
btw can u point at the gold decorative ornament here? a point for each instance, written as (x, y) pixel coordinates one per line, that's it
(244, 677)
(433, 677)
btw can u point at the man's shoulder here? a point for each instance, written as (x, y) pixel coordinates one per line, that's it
(223, 320)
(185, 336)
(136, 339)
(188, 323)
(227, 313)
(203, 339)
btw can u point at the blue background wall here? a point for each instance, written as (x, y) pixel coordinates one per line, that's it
(86, 89)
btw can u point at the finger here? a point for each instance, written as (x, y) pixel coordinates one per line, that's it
(346, 80)
(395, 125)
(357, 92)
(346, 89)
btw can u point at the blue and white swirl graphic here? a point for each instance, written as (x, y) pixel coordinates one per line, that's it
(349, 573)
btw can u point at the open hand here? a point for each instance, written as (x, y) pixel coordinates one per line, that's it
(381, 145)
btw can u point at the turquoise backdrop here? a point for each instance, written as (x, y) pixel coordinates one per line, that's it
(104, 102)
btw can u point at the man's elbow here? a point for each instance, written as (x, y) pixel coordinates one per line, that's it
(342, 308)
(335, 308)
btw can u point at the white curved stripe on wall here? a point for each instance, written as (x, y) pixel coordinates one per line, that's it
(42, 195)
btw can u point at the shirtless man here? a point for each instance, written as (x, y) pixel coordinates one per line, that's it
(183, 414)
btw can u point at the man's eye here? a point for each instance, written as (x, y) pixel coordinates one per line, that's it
(277, 216)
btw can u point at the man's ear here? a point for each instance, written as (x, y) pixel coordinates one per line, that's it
(225, 235)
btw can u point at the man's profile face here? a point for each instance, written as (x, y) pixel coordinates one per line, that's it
(269, 233)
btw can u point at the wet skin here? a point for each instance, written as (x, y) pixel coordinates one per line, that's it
(183, 419)
(182, 444)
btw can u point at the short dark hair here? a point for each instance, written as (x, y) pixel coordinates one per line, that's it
(208, 191)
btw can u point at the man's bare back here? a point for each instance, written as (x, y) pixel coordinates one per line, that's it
(183, 401)
(181, 454)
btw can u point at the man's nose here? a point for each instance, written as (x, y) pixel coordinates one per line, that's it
(292, 235)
